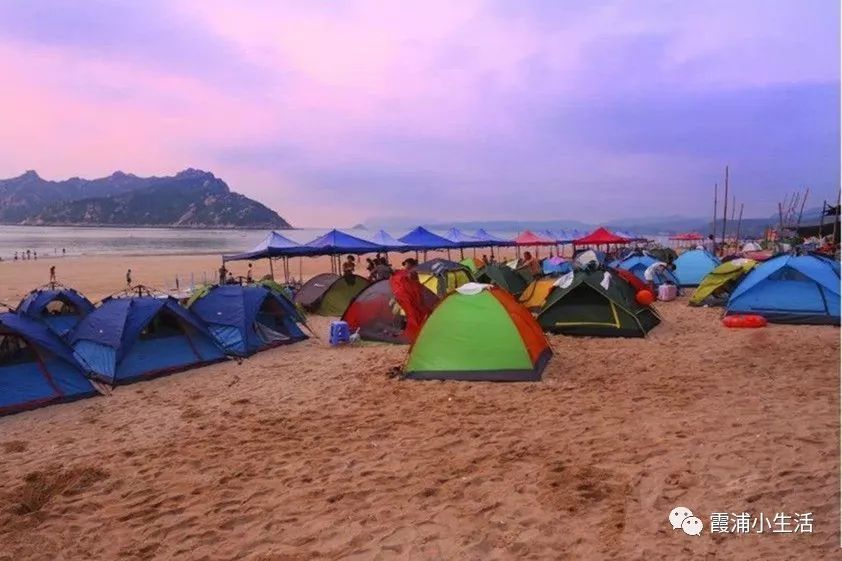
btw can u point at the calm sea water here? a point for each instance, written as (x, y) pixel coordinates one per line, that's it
(151, 241)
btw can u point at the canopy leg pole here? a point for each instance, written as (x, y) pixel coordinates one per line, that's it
(300, 270)
(448, 255)
(462, 253)
(271, 269)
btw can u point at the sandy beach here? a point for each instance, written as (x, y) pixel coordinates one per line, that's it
(312, 452)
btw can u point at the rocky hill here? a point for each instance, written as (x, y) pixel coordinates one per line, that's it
(190, 199)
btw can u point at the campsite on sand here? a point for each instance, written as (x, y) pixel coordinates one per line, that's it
(309, 451)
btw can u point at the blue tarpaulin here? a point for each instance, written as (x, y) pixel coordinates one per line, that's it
(275, 245)
(337, 242)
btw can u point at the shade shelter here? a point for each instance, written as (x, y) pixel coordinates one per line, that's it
(274, 246)
(601, 236)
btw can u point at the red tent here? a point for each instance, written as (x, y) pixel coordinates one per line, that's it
(531, 238)
(600, 236)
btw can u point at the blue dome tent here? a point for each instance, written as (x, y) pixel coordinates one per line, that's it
(790, 289)
(638, 263)
(59, 307)
(694, 265)
(247, 319)
(37, 368)
(130, 338)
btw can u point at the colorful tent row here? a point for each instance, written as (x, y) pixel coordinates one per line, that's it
(419, 239)
(57, 341)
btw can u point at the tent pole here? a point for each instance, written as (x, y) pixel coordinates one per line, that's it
(725, 208)
(271, 269)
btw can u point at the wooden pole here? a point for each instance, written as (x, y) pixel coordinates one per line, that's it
(739, 223)
(821, 219)
(781, 218)
(715, 193)
(801, 212)
(836, 217)
(271, 269)
(725, 208)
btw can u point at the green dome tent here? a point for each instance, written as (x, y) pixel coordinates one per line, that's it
(504, 277)
(328, 294)
(596, 303)
(478, 333)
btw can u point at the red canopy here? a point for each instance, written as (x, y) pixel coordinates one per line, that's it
(600, 236)
(531, 238)
(687, 236)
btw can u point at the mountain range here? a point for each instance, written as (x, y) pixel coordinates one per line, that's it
(190, 199)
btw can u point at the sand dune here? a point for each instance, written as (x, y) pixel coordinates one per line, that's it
(309, 452)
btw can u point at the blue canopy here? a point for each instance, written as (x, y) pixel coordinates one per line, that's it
(389, 243)
(41, 374)
(75, 307)
(120, 342)
(336, 242)
(462, 239)
(790, 289)
(248, 319)
(275, 245)
(492, 240)
(425, 239)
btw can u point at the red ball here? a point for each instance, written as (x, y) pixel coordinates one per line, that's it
(644, 297)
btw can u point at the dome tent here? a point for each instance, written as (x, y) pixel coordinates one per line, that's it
(719, 283)
(638, 262)
(59, 307)
(130, 338)
(247, 319)
(37, 368)
(378, 314)
(596, 303)
(790, 289)
(692, 266)
(479, 333)
(328, 294)
(442, 276)
(535, 295)
(502, 276)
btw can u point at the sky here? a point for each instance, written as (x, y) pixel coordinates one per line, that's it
(339, 112)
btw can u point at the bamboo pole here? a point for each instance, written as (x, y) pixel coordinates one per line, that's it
(836, 217)
(801, 212)
(821, 218)
(739, 223)
(725, 208)
(715, 194)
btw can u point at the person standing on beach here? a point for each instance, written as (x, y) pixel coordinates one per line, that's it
(710, 245)
(28, 254)
(129, 278)
(349, 265)
(249, 278)
(223, 274)
(52, 273)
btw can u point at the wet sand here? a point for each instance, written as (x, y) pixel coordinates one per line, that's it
(312, 452)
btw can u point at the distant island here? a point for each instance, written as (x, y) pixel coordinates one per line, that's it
(190, 199)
